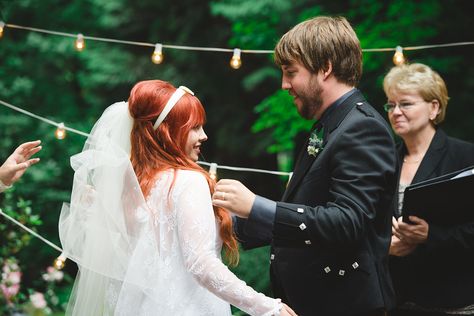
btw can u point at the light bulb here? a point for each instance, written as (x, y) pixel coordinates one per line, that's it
(60, 132)
(157, 57)
(60, 261)
(235, 61)
(213, 171)
(398, 58)
(80, 44)
(2, 26)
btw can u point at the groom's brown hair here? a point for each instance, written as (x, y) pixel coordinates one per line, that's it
(320, 42)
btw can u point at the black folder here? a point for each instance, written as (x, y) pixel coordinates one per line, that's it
(446, 201)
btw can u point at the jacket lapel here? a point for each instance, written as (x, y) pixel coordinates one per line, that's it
(305, 161)
(432, 158)
(302, 165)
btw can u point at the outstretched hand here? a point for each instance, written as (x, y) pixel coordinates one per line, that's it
(233, 196)
(15, 165)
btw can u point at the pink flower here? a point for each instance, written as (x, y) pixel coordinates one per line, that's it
(14, 277)
(38, 301)
(53, 274)
(9, 291)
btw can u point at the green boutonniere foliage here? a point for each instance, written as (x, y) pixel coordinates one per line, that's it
(315, 145)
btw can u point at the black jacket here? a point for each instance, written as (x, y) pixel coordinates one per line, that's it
(440, 272)
(332, 228)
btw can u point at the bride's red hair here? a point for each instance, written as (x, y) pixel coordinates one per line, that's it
(154, 151)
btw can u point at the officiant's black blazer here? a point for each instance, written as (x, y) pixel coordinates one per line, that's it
(440, 272)
(332, 229)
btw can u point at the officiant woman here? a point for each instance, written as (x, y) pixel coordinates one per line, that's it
(432, 266)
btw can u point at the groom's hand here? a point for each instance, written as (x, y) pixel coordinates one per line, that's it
(233, 196)
(286, 310)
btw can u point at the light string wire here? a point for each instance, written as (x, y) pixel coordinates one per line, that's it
(11, 106)
(18, 109)
(213, 49)
(111, 40)
(369, 50)
(30, 231)
(278, 173)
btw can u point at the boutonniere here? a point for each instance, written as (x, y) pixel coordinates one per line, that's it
(315, 145)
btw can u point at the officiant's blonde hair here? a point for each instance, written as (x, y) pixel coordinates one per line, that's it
(421, 79)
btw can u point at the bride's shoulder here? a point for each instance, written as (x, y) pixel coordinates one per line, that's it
(190, 181)
(190, 177)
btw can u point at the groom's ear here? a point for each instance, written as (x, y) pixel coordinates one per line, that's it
(327, 71)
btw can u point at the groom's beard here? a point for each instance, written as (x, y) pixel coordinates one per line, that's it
(311, 100)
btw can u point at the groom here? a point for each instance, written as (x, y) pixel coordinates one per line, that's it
(331, 231)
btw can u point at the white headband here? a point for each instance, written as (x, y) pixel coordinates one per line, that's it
(182, 90)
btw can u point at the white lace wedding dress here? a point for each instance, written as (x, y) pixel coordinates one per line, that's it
(189, 276)
(159, 256)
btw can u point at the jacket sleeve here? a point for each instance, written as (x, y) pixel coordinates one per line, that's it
(257, 230)
(361, 164)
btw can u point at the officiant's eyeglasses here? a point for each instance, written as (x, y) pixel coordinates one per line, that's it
(403, 106)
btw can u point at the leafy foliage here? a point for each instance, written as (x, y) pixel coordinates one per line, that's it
(278, 112)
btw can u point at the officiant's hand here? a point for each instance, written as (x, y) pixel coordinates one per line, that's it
(415, 233)
(400, 248)
(234, 197)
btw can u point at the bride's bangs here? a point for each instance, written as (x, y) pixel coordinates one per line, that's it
(191, 108)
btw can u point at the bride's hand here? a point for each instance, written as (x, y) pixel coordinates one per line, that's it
(287, 311)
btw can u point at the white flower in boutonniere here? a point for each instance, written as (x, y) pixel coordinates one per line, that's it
(315, 145)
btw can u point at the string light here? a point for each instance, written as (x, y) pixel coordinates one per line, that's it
(212, 49)
(80, 44)
(213, 171)
(60, 132)
(235, 61)
(157, 57)
(398, 58)
(2, 26)
(60, 261)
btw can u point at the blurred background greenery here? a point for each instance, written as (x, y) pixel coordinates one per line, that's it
(251, 122)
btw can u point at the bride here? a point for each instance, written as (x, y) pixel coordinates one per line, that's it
(141, 226)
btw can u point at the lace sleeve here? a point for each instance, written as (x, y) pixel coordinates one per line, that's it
(197, 237)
